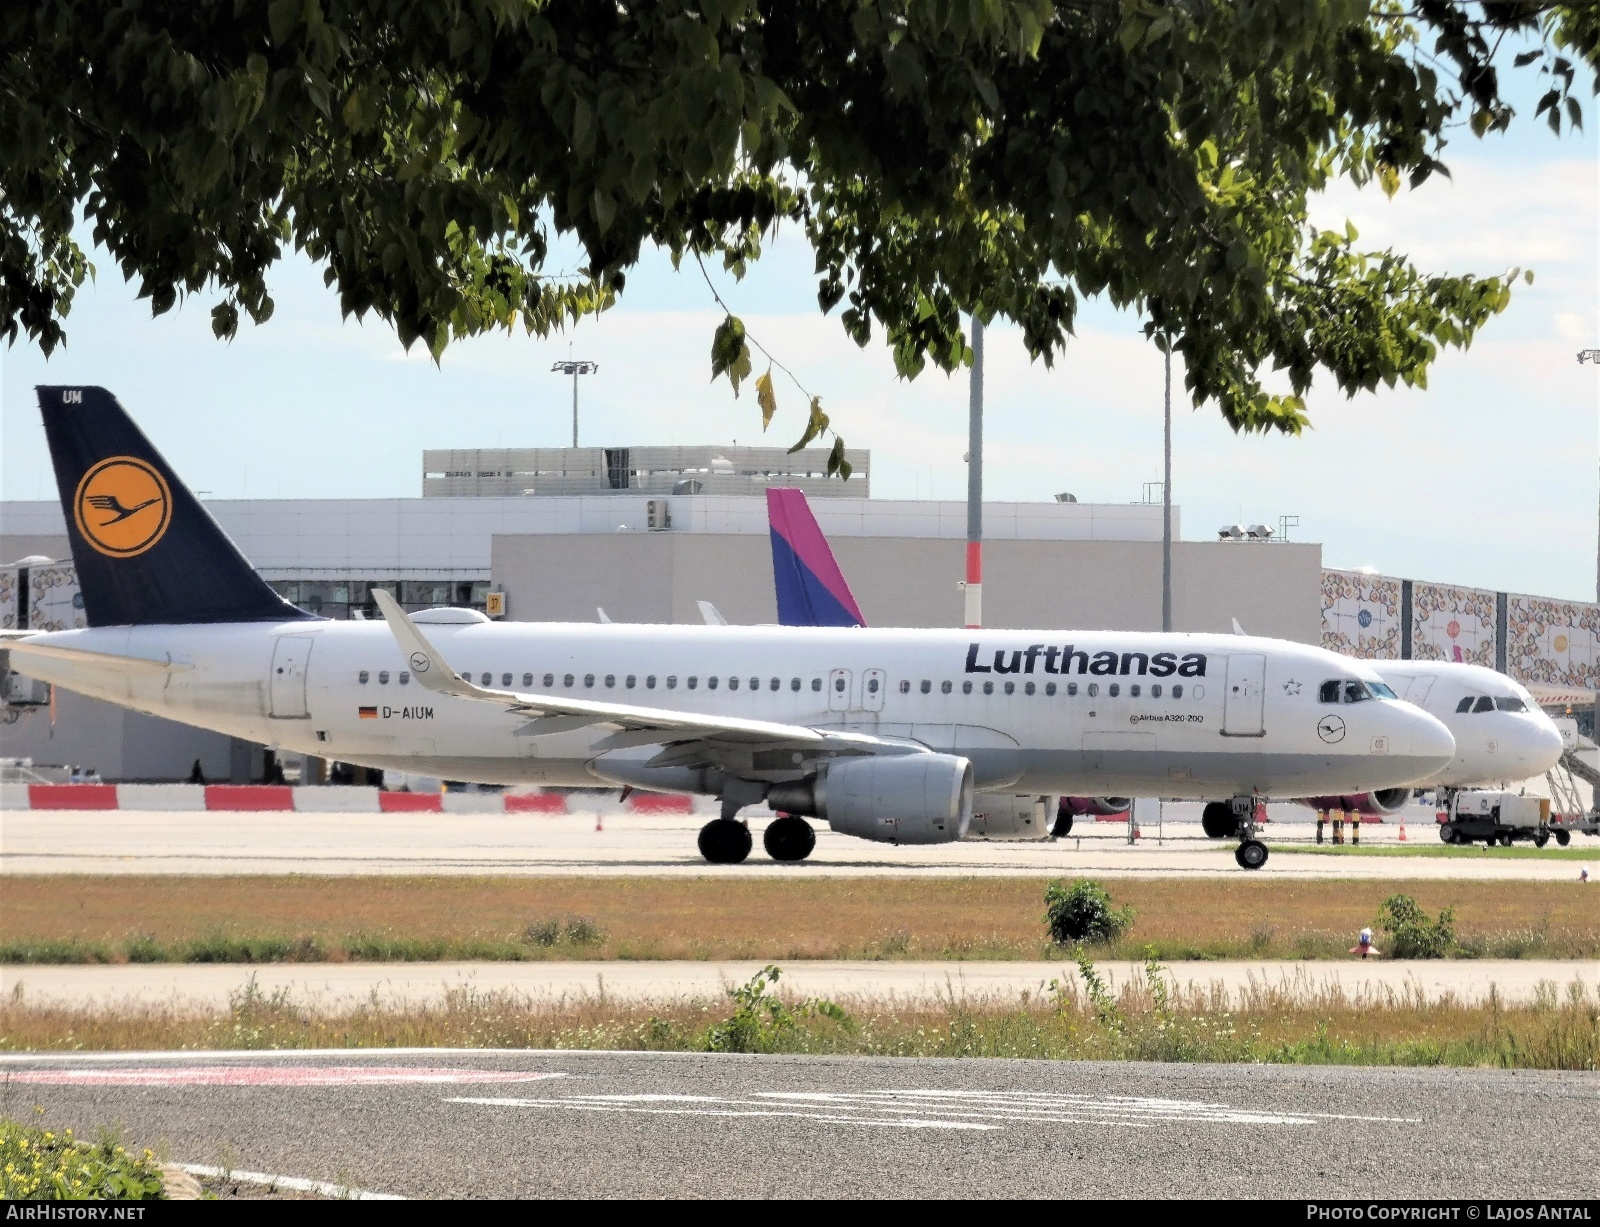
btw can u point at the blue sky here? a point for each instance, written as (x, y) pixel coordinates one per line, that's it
(1487, 478)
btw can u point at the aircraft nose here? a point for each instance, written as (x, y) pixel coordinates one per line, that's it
(1542, 746)
(1429, 738)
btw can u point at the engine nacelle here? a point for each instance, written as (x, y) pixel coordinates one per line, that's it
(999, 817)
(903, 799)
(1383, 801)
(1098, 806)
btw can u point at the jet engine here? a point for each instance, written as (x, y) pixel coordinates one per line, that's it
(999, 817)
(1383, 801)
(1099, 806)
(902, 799)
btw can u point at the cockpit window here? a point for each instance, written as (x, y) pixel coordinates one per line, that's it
(1484, 703)
(1382, 690)
(1511, 704)
(1328, 692)
(1465, 704)
(1355, 692)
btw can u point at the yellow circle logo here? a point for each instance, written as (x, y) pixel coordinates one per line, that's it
(122, 507)
(1559, 643)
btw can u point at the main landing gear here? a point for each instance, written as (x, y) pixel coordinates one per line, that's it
(727, 841)
(789, 838)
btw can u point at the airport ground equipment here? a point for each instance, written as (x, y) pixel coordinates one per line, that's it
(1499, 817)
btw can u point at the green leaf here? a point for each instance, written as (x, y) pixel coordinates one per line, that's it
(836, 461)
(730, 353)
(282, 17)
(815, 425)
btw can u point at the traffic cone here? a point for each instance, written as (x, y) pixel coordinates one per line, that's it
(1402, 828)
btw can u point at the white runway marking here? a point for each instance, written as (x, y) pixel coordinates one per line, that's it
(273, 1075)
(936, 1109)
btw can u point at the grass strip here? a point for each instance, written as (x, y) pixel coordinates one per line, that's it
(45, 1165)
(1517, 852)
(114, 919)
(1079, 1018)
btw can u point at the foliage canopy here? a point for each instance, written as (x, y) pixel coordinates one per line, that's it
(1003, 157)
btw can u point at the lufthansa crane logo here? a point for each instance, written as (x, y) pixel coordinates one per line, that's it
(123, 506)
(1331, 729)
(419, 662)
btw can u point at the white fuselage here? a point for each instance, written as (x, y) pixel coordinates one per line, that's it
(1195, 716)
(1501, 734)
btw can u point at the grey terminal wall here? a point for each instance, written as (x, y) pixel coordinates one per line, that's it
(1272, 589)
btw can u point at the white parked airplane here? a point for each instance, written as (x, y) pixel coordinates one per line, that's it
(884, 734)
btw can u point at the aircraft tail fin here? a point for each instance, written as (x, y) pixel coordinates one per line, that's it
(145, 549)
(812, 591)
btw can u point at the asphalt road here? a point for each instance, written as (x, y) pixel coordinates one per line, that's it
(538, 1124)
(138, 842)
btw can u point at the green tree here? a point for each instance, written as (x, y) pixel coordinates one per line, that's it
(1002, 157)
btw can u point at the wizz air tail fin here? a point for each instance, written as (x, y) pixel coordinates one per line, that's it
(811, 589)
(146, 551)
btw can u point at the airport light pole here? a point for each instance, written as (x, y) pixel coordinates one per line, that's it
(973, 589)
(1593, 355)
(1166, 501)
(575, 368)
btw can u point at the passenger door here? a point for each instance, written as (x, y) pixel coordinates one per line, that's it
(838, 690)
(1247, 686)
(872, 683)
(287, 685)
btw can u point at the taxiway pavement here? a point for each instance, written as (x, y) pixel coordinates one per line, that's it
(463, 1124)
(334, 987)
(135, 842)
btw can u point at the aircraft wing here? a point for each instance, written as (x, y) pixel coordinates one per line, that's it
(636, 725)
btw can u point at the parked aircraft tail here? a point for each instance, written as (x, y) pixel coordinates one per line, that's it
(811, 589)
(145, 549)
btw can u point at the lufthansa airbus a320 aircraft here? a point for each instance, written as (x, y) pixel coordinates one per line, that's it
(884, 734)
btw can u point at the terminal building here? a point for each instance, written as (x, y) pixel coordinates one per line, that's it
(646, 534)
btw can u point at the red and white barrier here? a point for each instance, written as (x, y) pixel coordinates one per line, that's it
(324, 799)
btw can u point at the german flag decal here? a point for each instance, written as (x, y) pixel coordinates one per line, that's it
(367, 713)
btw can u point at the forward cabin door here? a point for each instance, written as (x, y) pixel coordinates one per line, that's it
(838, 690)
(1247, 689)
(287, 689)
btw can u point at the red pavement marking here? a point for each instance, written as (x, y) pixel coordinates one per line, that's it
(271, 1075)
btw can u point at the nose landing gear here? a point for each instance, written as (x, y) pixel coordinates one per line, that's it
(1251, 852)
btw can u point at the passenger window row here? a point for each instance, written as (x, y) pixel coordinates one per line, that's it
(1483, 702)
(1092, 689)
(383, 677)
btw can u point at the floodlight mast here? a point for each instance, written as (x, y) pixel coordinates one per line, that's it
(1593, 355)
(575, 368)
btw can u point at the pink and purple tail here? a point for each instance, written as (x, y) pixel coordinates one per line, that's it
(811, 589)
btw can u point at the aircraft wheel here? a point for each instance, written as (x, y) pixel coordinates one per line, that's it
(788, 838)
(1563, 838)
(1219, 821)
(1251, 854)
(723, 841)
